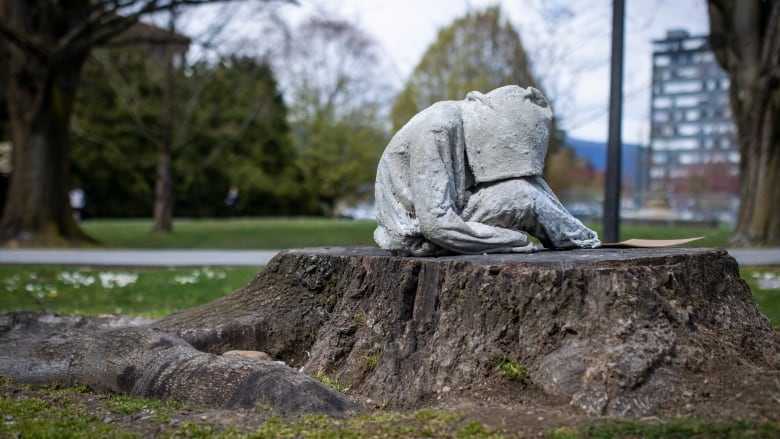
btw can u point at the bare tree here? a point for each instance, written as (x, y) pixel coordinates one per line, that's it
(331, 71)
(745, 36)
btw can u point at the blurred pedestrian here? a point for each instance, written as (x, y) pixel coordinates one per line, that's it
(77, 202)
(232, 199)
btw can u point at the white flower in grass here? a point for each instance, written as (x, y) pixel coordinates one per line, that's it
(76, 279)
(186, 279)
(120, 280)
(11, 283)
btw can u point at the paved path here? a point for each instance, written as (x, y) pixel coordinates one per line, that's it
(768, 256)
(189, 258)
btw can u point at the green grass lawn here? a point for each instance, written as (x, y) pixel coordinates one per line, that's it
(251, 233)
(136, 292)
(282, 233)
(766, 293)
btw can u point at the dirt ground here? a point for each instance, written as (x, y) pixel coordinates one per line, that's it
(515, 408)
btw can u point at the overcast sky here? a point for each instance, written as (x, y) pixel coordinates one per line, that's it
(570, 51)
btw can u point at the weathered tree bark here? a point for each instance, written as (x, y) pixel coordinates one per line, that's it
(107, 355)
(616, 331)
(611, 331)
(745, 37)
(40, 90)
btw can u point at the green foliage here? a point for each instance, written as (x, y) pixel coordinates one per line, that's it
(112, 156)
(480, 51)
(372, 359)
(333, 383)
(229, 127)
(360, 317)
(243, 140)
(509, 368)
(335, 95)
(339, 159)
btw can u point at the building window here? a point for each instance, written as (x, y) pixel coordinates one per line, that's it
(686, 101)
(688, 159)
(662, 102)
(661, 60)
(687, 129)
(703, 57)
(660, 116)
(659, 145)
(688, 72)
(657, 172)
(678, 172)
(681, 144)
(682, 86)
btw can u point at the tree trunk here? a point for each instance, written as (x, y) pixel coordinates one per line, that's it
(37, 210)
(163, 193)
(745, 37)
(610, 331)
(40, 89)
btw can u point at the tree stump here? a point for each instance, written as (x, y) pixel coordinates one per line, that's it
(611, 331)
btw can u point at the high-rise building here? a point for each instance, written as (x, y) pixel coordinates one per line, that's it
(693, 157)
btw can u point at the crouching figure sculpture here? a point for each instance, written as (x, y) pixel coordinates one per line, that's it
(465, 177)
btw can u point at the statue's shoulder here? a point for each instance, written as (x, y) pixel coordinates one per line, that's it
(441, 114)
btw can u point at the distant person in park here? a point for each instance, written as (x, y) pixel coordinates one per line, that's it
(465, 177)
(231, 200)
(77, 202)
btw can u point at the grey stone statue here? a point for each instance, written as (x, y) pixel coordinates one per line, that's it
(465, 177)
